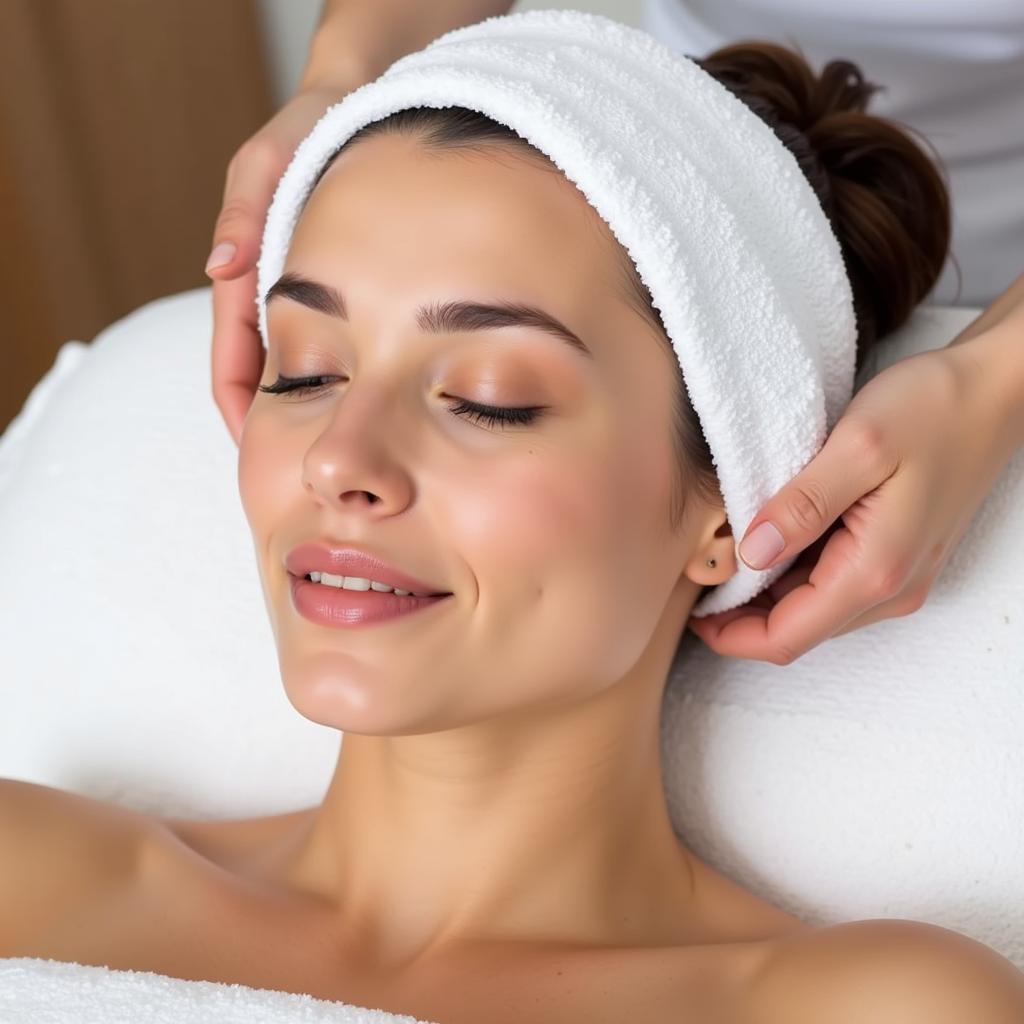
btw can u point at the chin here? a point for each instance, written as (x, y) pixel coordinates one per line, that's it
(356, 702)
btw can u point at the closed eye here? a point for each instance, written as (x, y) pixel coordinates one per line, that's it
(503, 414)
(491, 414)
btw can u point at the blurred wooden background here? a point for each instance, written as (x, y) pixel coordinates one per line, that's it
(117, 122)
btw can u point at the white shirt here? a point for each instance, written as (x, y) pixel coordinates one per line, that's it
(953, 70)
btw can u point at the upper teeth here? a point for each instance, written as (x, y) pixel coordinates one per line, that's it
(354, 583)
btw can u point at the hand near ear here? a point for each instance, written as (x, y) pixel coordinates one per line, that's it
(878, 512)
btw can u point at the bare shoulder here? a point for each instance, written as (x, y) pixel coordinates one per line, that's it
(885, 971)
(60, 852)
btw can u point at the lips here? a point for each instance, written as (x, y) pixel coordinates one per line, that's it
(320, 556)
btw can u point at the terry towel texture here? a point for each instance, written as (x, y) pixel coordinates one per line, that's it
(724, 229)
(36, 991)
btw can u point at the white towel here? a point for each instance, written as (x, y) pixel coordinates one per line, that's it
(37, 991)
(722, 225)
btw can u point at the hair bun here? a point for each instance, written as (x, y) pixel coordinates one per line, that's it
(883, 194)
(782, 78)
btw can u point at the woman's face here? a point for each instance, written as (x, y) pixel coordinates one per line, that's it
(552, 536)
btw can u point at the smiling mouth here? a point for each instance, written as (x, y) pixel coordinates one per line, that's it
(371, 590)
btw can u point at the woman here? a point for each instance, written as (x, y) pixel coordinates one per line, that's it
(494, 843)
(943, 474)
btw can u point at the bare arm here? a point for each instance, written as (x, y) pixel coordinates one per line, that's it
(370, 36)
(61, 857)
(1009, 307)
(885, 971)
(995, 340)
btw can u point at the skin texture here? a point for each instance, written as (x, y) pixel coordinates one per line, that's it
(505, 744)
(87, 881)
(890, 971)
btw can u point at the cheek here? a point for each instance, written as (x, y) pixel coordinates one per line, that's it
(588, 515)
(566, 559)
(266, 461)
(516, 520)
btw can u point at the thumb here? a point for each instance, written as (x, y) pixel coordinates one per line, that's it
(847, 467)
(251, 179)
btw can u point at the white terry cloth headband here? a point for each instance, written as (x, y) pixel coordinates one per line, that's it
(723, 228)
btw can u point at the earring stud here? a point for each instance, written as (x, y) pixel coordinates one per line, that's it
(712, 563)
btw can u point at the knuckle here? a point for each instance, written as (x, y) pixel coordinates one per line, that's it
(258, 150)
(232, 172)
(808, 505)
(869, 444)
(258, 153)
(914, 603)
(784, 654)
(233, 165)
(916, 599)
(233, 212)
(890, 582)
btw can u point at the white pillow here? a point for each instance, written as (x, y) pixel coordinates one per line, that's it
(138, 662)
(877, 776)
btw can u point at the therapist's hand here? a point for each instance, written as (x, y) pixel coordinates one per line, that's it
(878, 512)
(353, 44)
(252, 175)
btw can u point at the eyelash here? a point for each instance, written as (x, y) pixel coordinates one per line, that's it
(493, 414)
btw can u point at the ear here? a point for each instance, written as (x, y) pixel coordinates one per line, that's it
(715, 542)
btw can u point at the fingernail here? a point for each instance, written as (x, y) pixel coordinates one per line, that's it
(762, 546)
(222, 253)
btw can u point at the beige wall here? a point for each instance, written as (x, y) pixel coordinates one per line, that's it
(117, 120)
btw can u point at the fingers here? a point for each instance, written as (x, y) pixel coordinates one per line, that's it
(905, 604)
(252, 176)
(816, 603)
(820, 594)
(761, 604)
(237, 354)
(914, 594)
(853, 461)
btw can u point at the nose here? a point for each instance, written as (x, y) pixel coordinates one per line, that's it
(354, 464)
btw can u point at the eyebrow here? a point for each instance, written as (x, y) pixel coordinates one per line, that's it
(433, 318)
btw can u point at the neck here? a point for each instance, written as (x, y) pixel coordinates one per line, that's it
(548, 824)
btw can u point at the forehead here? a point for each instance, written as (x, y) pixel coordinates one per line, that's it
(391, 197)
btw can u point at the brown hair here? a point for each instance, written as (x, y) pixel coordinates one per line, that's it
(884, 197)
